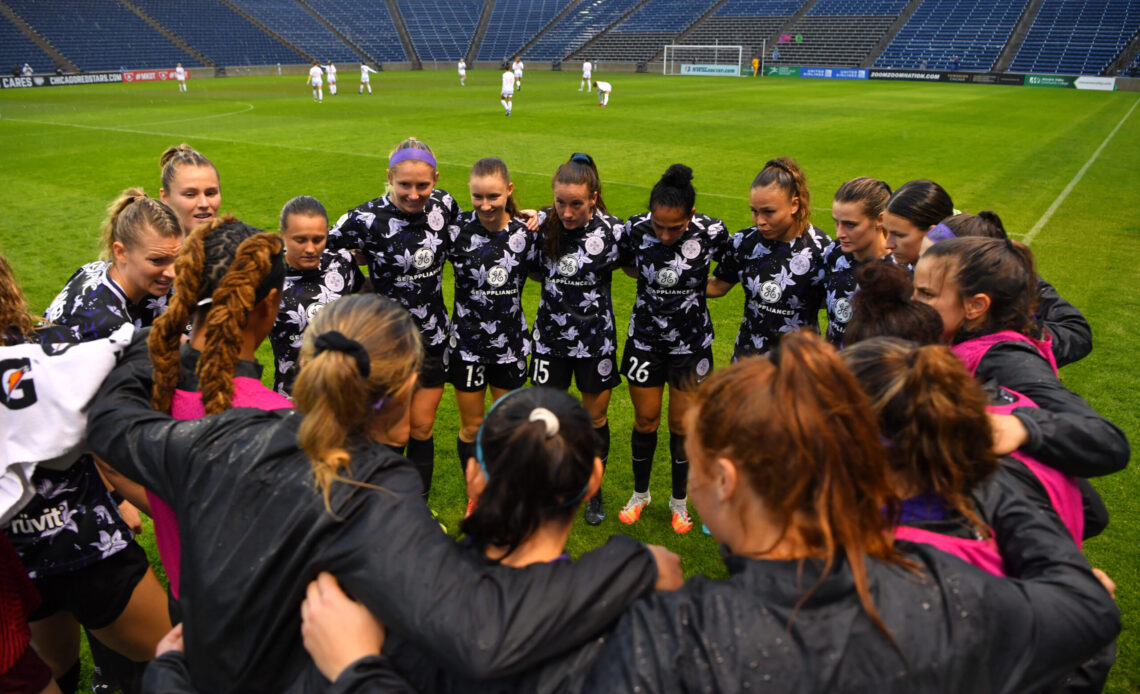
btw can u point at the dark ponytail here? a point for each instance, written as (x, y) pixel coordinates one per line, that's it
(923, 203)
(789, 177)
(579, 169)
(883, 307)
(536, 473)
(674, 190)
(1002, 270)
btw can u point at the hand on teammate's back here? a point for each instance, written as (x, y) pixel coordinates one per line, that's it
(337, 630)
(669, 576)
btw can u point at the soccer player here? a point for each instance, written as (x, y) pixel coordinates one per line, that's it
(314, 277)
(859, 238)
(331, 70)
(574, 334)
(316, 79)
(912, 211)
(507, 93)
(779, 259)
(462, 72)
(604, 89)
(492, 254)
(406, 237)
(180, 75)
(364, 79)
(587, 70)
(669, 250)
(190, 186)
(517, 69)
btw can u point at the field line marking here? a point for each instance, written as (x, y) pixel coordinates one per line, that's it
(249, 107)
(1032, 233)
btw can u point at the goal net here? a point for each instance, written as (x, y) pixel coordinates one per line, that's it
(703, 60)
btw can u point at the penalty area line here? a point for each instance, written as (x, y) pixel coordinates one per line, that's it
(1032, 233)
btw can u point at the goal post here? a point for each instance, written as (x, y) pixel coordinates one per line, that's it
(716, 59)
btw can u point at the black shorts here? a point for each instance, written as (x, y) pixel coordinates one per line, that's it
(433, 372)
(592, 374)
(652, 369)
(96, 594)
(473, 377)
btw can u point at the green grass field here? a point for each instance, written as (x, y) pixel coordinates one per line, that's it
(67, 152)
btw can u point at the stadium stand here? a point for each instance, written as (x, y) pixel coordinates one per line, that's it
(1078, 37)
(746, 23)
(17, 49)
(297, 26)
(441, 30)
(840, 33)
(513, 23)
(368, 23)
(646, 31)
(197, 22)
(581, 24)
(973, 31)
(101, 35)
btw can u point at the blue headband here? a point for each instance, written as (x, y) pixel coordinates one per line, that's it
(940, 232)
(411, 154)
(552, 430)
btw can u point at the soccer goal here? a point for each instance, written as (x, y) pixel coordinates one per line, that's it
(703, 60)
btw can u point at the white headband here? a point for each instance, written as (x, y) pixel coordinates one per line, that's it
(546, 417)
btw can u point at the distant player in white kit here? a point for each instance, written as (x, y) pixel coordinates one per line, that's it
(506, 95)
(604, 90)
(587, 71)
(331, 69)
(316, 79)
(517, 69)
(180, 75)
(462, 72)
(364, 80)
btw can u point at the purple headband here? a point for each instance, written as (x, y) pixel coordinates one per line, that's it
(940, 232)
(412, 154)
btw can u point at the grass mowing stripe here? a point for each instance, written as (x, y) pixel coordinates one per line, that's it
(1032, 233)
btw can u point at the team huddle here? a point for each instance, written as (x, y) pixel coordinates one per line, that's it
(901, 502)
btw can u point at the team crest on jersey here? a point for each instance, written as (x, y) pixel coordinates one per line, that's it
(770, 292)
(842, 310)
(454, 342)
(667, 277)
(517, 242)
(313, 309)
(800, 264)
(497, 276)
(703, 367)
(16, 388)
(691, 248)
(435, 219)
(595, 245)
(423, 258)
(605, 367)
(334, 282)
(568, 266)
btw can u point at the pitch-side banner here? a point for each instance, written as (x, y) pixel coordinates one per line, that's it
(150, 75)
(722, 70)
(60, 80)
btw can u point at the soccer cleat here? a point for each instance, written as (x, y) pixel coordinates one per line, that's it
(633, 508)
(595, 510)
(681, 522)
(470, 507)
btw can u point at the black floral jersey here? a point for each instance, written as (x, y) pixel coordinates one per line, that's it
(71, 522)
(406, 254)
(305, 293)
(95, 305)
(839, 285)
(670, 315)
(489, 326)
(576, 313)
(782, 282)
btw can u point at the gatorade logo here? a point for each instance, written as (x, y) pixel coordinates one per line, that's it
(16, 388)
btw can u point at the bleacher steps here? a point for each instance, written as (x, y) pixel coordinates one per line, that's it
(893, 31)
(1125, 58)
(368, 57)
(480, 31)
(405, 37)
(59, 58)
(660, 55)
(309, 57)
(1017, 36)
(791, 23)
(582, 52)
(170, 35)
(557, 18)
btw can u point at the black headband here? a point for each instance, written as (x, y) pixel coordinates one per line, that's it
(339, 343)
(273, 279)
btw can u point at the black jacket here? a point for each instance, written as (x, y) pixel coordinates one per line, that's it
(255, 531)
(1065, 432)
(1072, 334)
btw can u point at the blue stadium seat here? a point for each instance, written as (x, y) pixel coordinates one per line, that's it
(198, 23)
(300, 28)
(441, 30)
(513, 23)
(1077, 37)
(368, 23)
(17, 49)
(581, 24)
(974, 31)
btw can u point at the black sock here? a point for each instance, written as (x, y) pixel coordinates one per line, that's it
(644, 446)
(115, 669)
(422, 453)
(69, 681)
(680, 465)
(398, 450)
(602, 433)
(466, 451)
